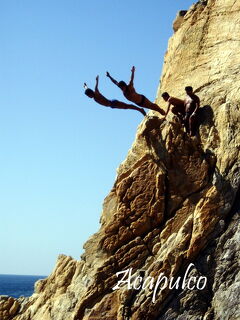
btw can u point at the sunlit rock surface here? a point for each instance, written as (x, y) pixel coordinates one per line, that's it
(8, 307)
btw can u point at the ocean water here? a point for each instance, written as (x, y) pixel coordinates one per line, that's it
(17, 285)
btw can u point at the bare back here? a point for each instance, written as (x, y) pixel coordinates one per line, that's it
(176, 102)
(99, 98)
(131, 94)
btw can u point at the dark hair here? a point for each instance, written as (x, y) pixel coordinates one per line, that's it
(89, 93)
(165, 95)
(122, 84)
(189, 88)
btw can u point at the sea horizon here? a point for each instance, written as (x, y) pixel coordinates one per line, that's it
(18, 274)
(16, 285)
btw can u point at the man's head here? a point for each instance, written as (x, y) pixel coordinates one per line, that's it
(89, 93)
(122, 85)
(165, 96)
(189, 90)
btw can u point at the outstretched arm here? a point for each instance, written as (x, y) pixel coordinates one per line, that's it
(96, 86)
(111, 78)
(132, 76)
(169, 105)
(197, 105)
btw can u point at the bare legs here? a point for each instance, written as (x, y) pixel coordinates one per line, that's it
(152, 106)
(122, 105)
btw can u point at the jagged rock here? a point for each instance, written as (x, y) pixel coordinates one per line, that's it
(220, 263)
(8, 307)
(179, 20)
(174, 200)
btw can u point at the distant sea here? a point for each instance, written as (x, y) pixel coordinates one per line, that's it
(16, 285)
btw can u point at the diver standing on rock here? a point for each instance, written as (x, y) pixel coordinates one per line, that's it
(115, 104)
(178, 106)
(130, 93)
(192, 104)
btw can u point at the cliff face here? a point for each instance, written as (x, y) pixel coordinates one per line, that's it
(175, 200)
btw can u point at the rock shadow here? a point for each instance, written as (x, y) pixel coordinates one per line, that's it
(172, 158)
(205, 117)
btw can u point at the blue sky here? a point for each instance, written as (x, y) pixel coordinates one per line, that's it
(59, 149)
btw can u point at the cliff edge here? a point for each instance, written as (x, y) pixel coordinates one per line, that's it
(175, 201)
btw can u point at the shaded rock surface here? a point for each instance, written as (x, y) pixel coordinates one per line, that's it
(175, 198)
(179, 20)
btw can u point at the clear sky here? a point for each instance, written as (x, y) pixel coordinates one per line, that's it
(59, 150)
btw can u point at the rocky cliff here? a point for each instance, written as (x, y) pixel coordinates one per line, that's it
(175, 201)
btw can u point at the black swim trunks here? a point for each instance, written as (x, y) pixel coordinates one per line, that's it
(113, 104)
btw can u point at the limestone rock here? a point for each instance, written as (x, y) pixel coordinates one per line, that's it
(179, 20)
(8, 307)
(174, 201)
(220, 263)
